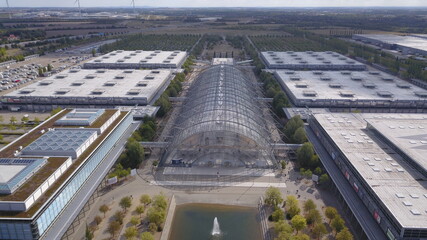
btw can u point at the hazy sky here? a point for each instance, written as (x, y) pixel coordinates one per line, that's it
(214, 3)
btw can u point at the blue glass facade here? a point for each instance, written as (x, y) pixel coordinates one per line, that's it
(15, 230)
(20, 229)
(49, 214)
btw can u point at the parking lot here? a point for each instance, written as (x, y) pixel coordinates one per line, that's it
(23, 73)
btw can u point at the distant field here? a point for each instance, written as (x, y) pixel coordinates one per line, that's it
(165, 42)
(346, 31)
(84, 31)
(285, 43)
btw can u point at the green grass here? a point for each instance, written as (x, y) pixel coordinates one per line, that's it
(151, 42)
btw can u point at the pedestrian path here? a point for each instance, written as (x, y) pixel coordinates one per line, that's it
(219, 184)
(218, 171)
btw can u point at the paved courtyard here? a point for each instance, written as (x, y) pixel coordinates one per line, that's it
(231, 190)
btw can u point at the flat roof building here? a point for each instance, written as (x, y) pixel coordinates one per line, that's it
(40, 182)
(416, 44)
(91, 88)
(310, 61)
(382, 159)
(346, 89)
(80, 117)
(61, 142)
(138, 59)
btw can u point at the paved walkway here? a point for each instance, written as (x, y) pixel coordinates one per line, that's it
(244, 193)
(218, 171)
(219, 184)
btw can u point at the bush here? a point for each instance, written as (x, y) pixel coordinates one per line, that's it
(118, 216)
(306, 157)
(159, 201)
(147, 236)
(152, 227)
(273, 196)
(145, 199)
(278, 215)
(156, 215)
(97, 219)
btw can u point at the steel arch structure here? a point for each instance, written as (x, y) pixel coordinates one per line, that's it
(221, 123)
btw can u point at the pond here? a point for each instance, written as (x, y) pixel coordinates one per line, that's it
(215, 222)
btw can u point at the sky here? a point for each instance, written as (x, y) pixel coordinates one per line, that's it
(216, 3)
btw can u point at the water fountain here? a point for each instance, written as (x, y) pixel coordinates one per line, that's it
(197, 221)
(215, 229)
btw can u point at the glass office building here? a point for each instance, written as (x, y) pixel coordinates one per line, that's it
(45, 216)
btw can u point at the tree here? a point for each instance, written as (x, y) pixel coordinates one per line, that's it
(104, 209)
(147, 132)
(40, 72)
(119, 171)
(330, 213)
(140, 209)
(283, 164)
(159, 201)
(49, 67)
(298, 222)
(97, 219)
(319, 230)
(88, 233)
(1, 137)
(12, 120)
(306, 173)
(309, 205)
(305, 155)
(24, 119)
(292, 126)
(119, 215)
(299, 136)
(3, 52)
(134, 154)
(152, 227)
(300, 237)
(37, 120)
(283, 229)
(165, 105)
(292, 206)
(156, 215)
(278, 215)
(93, 52)
(313, 216)
(125, 203)
(131, 232)
(344, 235)
(135, 220)
(147, 236)
(113, 228)
(337, 224)
(280, 101)
(324, 178)
(318, 171)
(273, 196)
(1, 118)
(145, 199)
